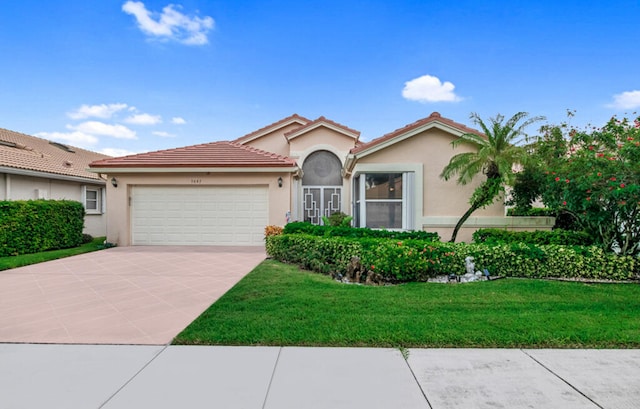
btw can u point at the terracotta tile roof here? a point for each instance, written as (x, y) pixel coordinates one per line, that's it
(434, 117)
(222, 154)
(272, 127)
(21, 151)
(320, 120)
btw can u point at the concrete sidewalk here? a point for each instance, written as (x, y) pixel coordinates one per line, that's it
(109, 376)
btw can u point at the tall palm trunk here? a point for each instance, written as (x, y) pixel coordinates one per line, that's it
(483, 196)
(463, 219)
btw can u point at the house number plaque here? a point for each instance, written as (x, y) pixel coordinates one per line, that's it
(196, 181)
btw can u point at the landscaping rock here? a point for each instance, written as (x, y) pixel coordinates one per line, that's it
(354, 270)
(373, 278)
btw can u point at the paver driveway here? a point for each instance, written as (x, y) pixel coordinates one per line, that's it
(123, 295)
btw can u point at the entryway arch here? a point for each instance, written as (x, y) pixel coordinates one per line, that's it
(321, 186)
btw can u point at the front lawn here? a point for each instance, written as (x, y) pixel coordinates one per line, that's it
(27, 259)
(277, 304)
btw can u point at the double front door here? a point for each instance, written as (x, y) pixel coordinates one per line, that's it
(318, 201)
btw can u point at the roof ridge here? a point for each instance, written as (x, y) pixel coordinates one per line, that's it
(322, 118)
(274, 124)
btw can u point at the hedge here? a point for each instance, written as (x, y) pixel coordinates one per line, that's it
(558, 236)
(33, 226)
(417, 260)
(356, 232)
(532, 211)
(321, 254)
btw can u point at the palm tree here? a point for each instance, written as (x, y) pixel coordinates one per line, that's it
(497, 152)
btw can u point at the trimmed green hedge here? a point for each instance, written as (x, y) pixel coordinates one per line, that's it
(558, 236)
(417, 260)
(532, 211)
(321, 254)
(356, 232)
(33, 226)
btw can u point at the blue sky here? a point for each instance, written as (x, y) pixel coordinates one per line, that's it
(131, 76)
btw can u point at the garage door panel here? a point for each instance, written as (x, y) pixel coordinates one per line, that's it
(202, 215)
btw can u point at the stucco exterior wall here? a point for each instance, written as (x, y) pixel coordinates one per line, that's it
(433, 149)
(443, 202)
(20, 187)
(321, 138)
(31, 188)
(274, 141)
(119, 212)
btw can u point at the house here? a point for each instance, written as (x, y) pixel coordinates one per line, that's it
(35, 168)
(225, 193)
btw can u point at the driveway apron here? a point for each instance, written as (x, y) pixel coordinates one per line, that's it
(123, 295)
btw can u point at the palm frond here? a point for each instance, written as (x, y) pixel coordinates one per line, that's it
(469, 138)
(498, 148)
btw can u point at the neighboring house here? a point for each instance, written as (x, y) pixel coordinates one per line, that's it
(295, 169)
(35, 168)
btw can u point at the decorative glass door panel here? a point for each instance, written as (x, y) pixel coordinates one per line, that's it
(320, 201)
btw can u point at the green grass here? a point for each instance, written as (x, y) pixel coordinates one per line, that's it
(277, 304)
(27, 259)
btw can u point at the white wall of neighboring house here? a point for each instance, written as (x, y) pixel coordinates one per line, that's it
(23, 187)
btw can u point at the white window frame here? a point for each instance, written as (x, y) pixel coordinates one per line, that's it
(412, 192)
(99, 199)
(405, 201)
(364, 201)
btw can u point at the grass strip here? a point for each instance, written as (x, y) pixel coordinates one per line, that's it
(277, 304)
(28, 259)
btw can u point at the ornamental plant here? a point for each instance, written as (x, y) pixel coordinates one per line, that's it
(594, 175)
(496, 152)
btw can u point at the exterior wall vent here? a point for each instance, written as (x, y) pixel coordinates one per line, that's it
(41, 194)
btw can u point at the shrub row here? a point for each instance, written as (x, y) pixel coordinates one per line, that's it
(355, 232)
(321, 254)
(417, 260)
(531, 211)
(558, 236)
(39, 225)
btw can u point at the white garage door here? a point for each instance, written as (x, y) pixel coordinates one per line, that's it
(199, 215)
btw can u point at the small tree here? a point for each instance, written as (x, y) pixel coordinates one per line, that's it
(497, 152)
(595, 176)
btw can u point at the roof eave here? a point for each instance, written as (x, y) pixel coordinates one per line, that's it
(49, 175)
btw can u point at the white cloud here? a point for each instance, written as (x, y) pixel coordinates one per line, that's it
(115, 152)
(178, 120)
(100, 128)
(171, 24)
(626, 100)
(143, 119)
(429, 89)
(97, 111)
(79, 139)
(163, 134)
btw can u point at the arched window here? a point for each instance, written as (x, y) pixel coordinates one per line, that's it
(322, 168)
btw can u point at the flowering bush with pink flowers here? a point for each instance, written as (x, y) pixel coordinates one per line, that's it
(595, 176)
